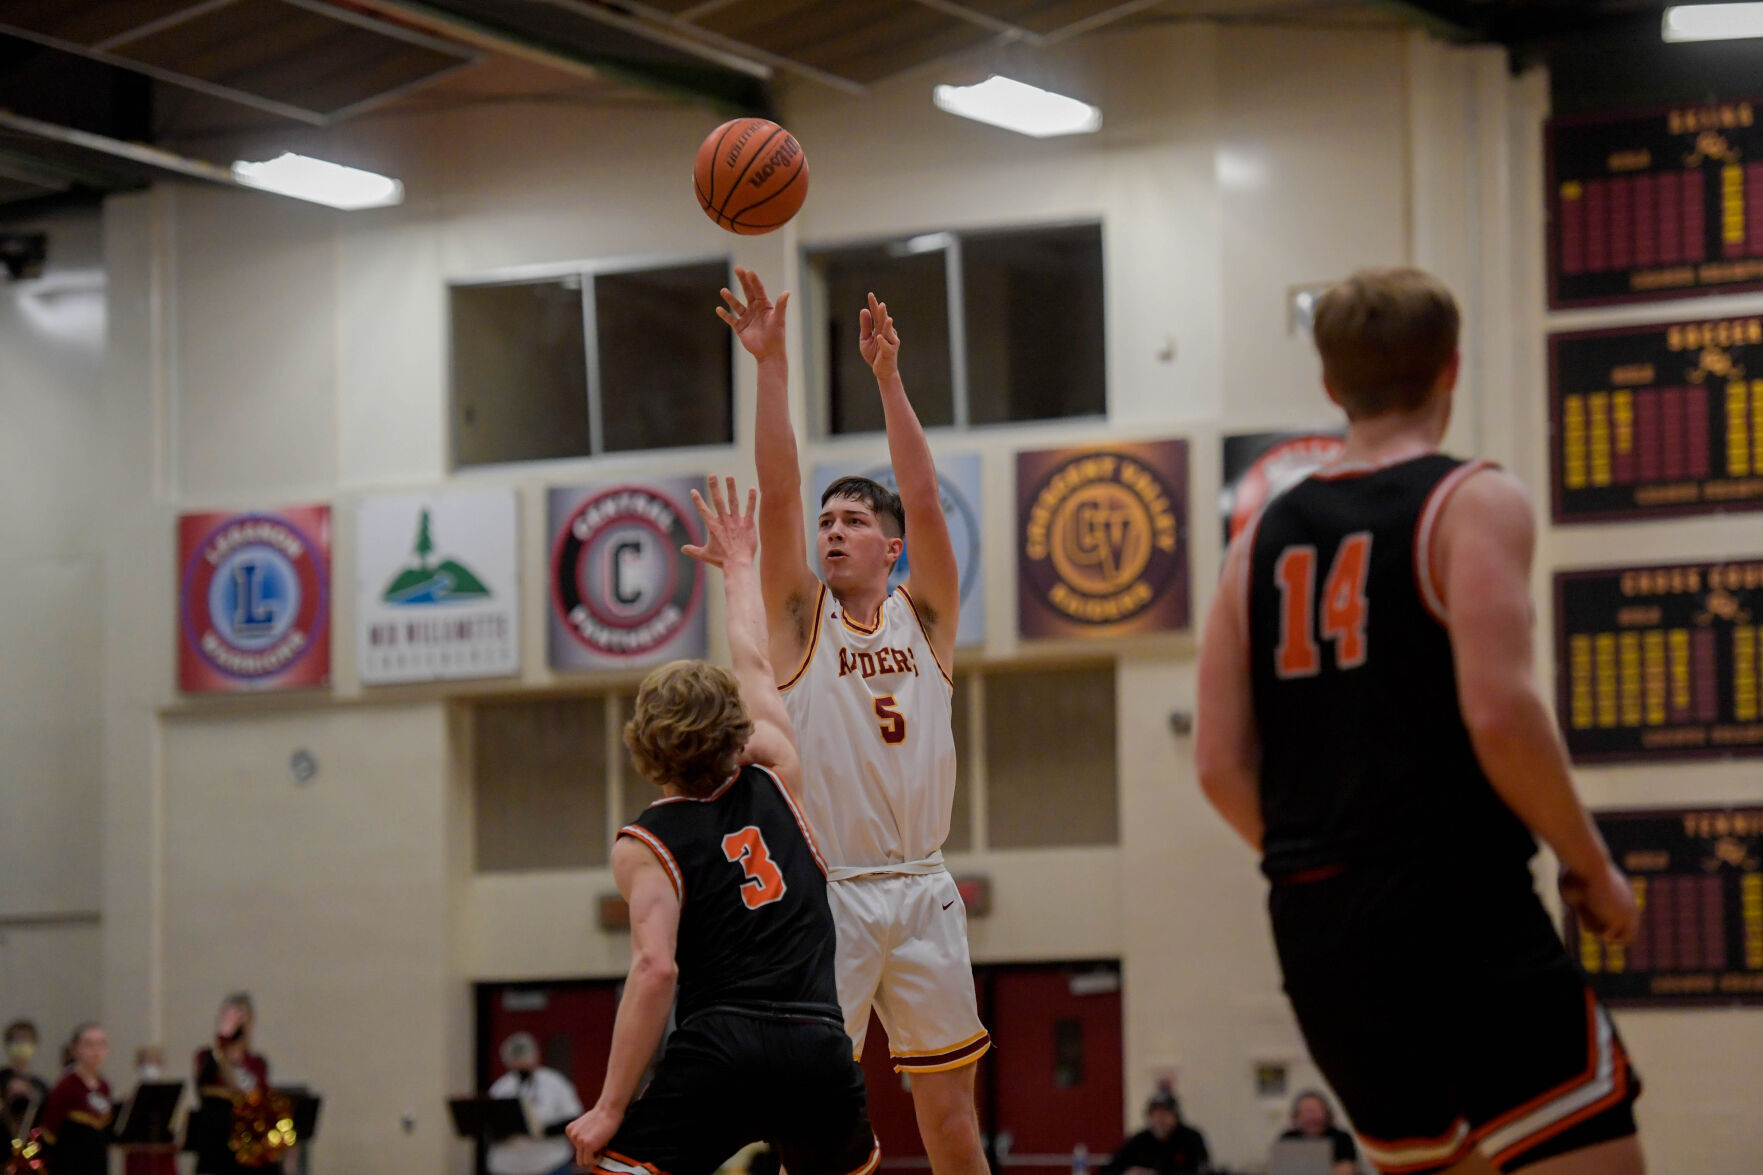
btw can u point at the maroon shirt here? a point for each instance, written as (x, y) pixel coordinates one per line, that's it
(76, 1126)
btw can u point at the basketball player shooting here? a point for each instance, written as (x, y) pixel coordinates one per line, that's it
(865, 678)
(1370, 724)
(727, 895)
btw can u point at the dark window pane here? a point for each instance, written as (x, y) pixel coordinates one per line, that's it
(539, 785)
(1033, 313)
(1068, 1054)
(915, 287)
(1050, 758)
(665, 358)
(520, 375)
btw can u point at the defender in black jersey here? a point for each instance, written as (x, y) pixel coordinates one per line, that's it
(728, 898)
(1369, 722)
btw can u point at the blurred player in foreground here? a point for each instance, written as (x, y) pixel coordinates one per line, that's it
(1371, 725)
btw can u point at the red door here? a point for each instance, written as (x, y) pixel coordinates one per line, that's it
(572, 1021)
(1054, 1080)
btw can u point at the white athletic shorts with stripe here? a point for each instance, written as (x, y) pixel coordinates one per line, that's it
(903, 951)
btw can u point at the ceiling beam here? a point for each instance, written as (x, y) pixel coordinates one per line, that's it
(1449, 19)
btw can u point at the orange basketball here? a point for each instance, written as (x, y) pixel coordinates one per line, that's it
(751, 176)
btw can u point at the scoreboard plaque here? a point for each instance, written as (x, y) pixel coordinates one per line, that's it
(1660, 662)
(1698, 880)
(1658, 420)
(1664, 204)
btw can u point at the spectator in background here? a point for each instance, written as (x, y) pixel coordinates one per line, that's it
(1166, 1146)
(77, 1116)
(1313, 1117)
(551, 1105)
(22, 1090)
(225, 1071)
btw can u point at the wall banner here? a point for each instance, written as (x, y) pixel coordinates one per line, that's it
(622, 594)
(958, 477)
(1102, 534)
(254, 600)
(437, 588)
(1259, 467)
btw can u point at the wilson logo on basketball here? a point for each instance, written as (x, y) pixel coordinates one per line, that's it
(778, 158)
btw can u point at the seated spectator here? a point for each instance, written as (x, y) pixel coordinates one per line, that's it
(552, 1104)
(1313, 1117)
(1164, 1147)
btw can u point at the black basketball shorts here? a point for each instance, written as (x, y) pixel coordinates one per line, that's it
(733, 1076)
(1442, 1007)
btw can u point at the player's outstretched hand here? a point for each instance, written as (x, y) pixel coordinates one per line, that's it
(727, 534)
(591, 1133)
(1604, 902)
(878, 339)
(756, 321)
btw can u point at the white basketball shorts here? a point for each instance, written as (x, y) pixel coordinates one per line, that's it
(903, 950)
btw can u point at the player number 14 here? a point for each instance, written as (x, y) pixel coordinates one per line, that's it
(1343, 607)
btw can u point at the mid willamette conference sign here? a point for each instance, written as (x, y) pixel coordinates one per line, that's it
(1102, 540)
(1258, 467)
(254, 608)
(959, 481)
(436, 586)
(622, 594)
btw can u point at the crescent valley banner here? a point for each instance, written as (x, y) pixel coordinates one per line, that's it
(959, 480)
(1102, 540)
(436, 587)
(622, 594)
(254, 607)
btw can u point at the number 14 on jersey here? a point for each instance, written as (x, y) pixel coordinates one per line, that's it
(1343, 607)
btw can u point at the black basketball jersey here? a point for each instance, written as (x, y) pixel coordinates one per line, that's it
(1364, 754)
(754, 924)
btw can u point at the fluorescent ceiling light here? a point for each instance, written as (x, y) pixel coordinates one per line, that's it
(1017, 106)
(1712, 22)
(303, 178)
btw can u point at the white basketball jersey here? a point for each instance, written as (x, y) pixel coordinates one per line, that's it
(872, 711)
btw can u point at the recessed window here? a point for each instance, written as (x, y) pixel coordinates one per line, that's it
(995, 327)
(589, 362)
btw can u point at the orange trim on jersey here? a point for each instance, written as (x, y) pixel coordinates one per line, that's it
(1351, 469)
(709, 799)
(1608, 1101)
(660, 850)
(1418, 1154)
(1617, 1076)
(1248, 568)
(629, 1162)
(949, 1060)
(813, 640)
(925, 630)
(1430, 595)
(802, 823)
(873, 1161)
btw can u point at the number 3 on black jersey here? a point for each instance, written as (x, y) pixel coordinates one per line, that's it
(764, 882)
(1343, 607)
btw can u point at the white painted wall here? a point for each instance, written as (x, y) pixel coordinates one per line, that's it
(51, 632)
(262, 353)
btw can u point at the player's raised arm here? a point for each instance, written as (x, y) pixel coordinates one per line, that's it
(787, 581)
(1227, 744)
(730, 542)
(648, 993)
(935, 579)
(1481, 563)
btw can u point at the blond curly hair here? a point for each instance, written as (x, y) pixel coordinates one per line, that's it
(689, 727)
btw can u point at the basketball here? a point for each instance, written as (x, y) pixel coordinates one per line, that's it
(751, 176)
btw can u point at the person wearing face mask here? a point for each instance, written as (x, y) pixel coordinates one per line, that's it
(21, 1089)
(225, 1071)
(551, 1103)
(78, 1114)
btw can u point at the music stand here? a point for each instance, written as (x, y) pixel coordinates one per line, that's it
(306, 1105)
(146, 1118)
(488, 1119)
